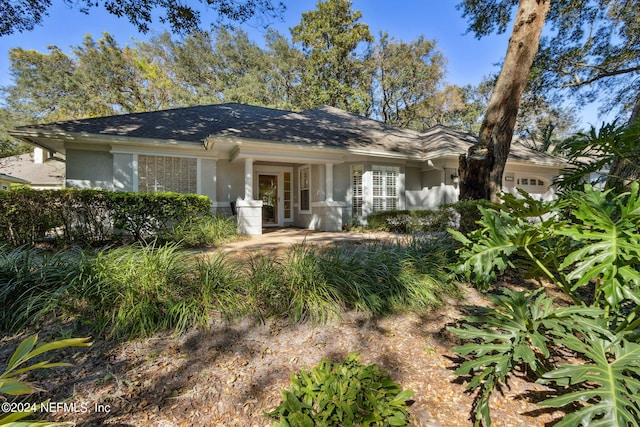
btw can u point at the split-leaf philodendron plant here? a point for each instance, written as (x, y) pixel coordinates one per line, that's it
(587, 243)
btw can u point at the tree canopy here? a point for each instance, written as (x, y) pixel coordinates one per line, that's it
(592, 47)
(589, 50)
(337, 52)
(399, 82)
(25, 15)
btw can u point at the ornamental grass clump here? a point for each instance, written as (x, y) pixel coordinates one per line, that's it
(376, 278)
(312, 295)
(203, 231)
(34, 284)
(135, 290)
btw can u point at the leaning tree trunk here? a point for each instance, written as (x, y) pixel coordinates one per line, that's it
(481, 169)
(625, 170)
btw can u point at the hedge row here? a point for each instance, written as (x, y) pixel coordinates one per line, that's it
(28, 216)
(462, 216)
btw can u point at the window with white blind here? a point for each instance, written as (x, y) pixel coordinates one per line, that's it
(161, 173)
(385, 188)
(356, 190)
(304, 176)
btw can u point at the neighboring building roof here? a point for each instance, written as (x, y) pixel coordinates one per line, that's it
(181, 124)
(332, 127)
(49, 173)
(12, 179)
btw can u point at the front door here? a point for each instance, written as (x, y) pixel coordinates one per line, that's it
(268, 193)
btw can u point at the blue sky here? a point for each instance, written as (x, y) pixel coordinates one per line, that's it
(468, 59)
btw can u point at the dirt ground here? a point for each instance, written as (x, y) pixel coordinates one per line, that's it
(229, 375)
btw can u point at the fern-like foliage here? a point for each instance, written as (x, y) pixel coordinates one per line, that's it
(520, 234)
(610, 386)
(607, 228)
(512, 334)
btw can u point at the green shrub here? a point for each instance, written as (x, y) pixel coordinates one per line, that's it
(414, 221)
(135, 291)
(376, 278)
(27, 215)
(468, 214)
(216, 285)
(312, 295)
(144, 215)
(203, 231)
(342, 394)
(463, 216)
(85, 215)
(89, 216)
(585, 243)
(264, 288)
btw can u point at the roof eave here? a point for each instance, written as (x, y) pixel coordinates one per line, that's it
(210, 142)
(98, 138)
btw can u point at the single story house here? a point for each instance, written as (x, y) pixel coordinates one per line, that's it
(40, 170)
(6, 181)
(315, 169)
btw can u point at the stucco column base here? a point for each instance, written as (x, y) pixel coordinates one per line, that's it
(249, 216)
(329, 215)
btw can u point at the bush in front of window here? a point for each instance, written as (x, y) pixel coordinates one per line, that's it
(413, 221)
(461, 215)
(144, 215)
(26, 215)
(92, 216)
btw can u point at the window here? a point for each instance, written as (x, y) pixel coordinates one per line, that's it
(287, 195)
(305, 189)
(356, 190)
(159, 173)
(531, 181)
(385, 188)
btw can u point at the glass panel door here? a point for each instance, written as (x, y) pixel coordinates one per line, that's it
(268, 193)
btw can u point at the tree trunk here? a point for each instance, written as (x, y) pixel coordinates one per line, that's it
(482, 167)
(624, 171)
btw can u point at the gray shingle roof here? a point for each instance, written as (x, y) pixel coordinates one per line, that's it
(332, 127)
(324, 126)
(192, 124)
(444, 141)
(22, 166)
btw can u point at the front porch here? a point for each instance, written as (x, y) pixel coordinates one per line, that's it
(281, 195)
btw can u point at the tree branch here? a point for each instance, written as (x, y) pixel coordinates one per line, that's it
(603, 74)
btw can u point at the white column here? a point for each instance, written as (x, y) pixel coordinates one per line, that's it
(328, 182)
(248, 179)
